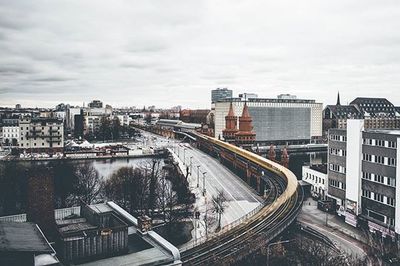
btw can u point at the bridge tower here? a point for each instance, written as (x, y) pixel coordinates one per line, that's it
(272, 153)
(285, 158)
(230, 126)
(246, 137)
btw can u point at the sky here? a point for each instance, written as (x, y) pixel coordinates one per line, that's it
(173, 52)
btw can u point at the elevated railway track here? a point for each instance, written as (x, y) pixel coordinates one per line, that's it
(280, 209)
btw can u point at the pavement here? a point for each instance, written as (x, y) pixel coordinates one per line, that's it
(346, 237)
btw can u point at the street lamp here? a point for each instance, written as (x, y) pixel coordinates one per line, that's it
(273, 244)
(198, 175)
(191, 168)
(204, 183)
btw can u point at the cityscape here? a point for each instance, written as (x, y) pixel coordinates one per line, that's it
(240, 133)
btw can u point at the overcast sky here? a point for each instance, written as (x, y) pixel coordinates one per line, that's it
(167, 52)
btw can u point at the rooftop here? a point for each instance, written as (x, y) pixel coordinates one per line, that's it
(23, 237)
(384, 131)
(267, 100)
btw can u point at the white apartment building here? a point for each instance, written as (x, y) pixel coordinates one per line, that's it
(10, 135)
(316, 176)
(41, 134)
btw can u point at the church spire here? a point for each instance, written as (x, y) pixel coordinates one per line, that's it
(338, 99)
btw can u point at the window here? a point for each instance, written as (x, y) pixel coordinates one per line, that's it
(367, 157)
(378, 197)
(366, 193)
(379, 178)
(391, 161)
(366, 175)
(390, 201)
(391, 181)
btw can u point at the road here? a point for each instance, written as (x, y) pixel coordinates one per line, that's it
(241, 199)
(342, 234)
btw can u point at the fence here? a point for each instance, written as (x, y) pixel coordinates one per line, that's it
(59, 214)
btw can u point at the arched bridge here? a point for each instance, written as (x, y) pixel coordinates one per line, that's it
(283, 199)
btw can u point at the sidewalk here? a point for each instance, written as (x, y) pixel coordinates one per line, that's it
(346, 237)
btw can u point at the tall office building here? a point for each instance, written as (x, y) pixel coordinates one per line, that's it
(278, 121)
(220, 94)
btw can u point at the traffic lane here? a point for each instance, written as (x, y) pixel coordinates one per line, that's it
(344, 242)
(223, 177)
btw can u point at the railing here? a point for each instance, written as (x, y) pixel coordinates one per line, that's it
(223, 230)
(59, 214)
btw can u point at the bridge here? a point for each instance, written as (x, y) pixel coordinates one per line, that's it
(283, 199)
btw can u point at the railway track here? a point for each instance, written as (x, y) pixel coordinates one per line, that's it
(222, 248)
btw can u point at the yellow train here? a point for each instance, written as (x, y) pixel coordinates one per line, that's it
(276, 168)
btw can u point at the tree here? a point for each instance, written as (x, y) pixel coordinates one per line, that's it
(88, 184)
(219, 204)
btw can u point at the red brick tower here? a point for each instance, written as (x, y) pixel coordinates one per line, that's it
(246, 137)
(40, 199)
(230, 126)
(272, 153)
(285, 158)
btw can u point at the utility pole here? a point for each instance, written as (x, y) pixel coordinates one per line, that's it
(198, 175)
(191, 168)
(204, 183)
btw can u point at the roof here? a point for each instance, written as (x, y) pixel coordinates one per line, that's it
(384, 131)
(344, 111)
(375, 106)
(100, 208)
(23, 237)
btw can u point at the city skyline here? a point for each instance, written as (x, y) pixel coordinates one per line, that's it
(152, 53)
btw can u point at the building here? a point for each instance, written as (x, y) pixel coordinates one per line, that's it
(245, 137)
(219, 94)
(79, 125)
(98, 232)
(245, 96)
(278, 121)
(376, 112)
(198, 116)
(25, 244)
(316, 176)
(39, 134)
(10, 132)
(230, 130)
(96, 104)
(362, 176)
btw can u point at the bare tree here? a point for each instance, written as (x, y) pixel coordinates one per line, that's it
(88, 184)
(219, 205)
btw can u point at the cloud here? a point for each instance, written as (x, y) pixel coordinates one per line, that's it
(174, 52)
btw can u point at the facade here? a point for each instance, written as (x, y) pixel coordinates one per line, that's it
(220, 94)
(276, 120)
(376, 112)
(41, 134)
(362, 176)
(10, 134)
(316, 176)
